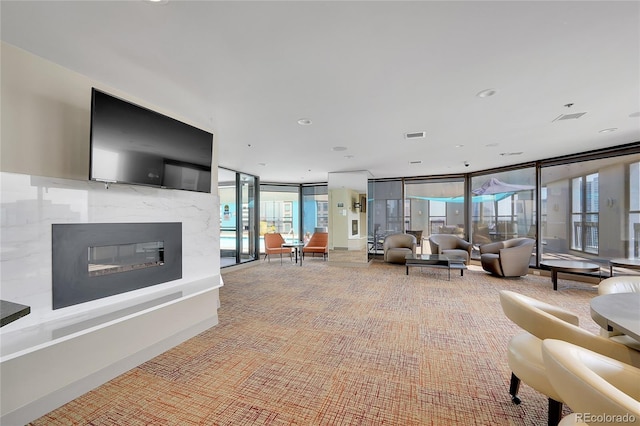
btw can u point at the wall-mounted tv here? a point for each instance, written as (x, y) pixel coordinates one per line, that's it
(134, 145)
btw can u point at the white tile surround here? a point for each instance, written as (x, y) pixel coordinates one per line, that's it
(31, 204)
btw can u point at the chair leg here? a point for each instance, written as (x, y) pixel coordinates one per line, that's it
(514, 386)
(555, 412)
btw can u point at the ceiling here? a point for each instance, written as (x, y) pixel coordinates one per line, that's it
(365, 73)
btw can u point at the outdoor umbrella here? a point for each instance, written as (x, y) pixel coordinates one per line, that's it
(495, 186)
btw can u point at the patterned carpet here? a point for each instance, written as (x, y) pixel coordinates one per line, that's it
(329, 345)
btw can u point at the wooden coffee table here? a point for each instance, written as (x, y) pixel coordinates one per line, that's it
(436, 261)
(569, 266)
(623, 263)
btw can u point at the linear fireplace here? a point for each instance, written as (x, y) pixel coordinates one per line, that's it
(95, 260)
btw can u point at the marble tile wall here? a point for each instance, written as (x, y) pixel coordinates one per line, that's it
(30, 204)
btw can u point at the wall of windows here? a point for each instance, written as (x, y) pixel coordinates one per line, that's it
(591, 208)
(586, 206)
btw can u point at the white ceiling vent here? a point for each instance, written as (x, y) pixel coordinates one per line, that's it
(415, 135)
(569, 116)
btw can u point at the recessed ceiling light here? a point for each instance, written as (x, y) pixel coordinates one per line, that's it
(304, 122)
(459, 146)
(612, 129)
(508, 154)
(262, 164)
(415, 162)
(492, 144)
(157, 1)
(634, 114)
(487, 93)
(348, 156)
(339, 148)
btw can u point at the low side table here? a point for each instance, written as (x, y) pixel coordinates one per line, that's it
(623, 263)
(569, 266)
(436, 261)
(297, 246)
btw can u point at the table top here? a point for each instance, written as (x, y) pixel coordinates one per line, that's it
(433, 258)
(293, 244)
(571, 265)
(629, 263)
(618, 311)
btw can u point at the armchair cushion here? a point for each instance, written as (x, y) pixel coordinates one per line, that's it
(451, 245)
(508, 258)
(397, 246)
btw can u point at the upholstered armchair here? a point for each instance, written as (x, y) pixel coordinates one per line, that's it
(450, 245)
(592, 383)
(509, 258)
(318, 243)
(541, 320)
(273, 245)
(397, 246)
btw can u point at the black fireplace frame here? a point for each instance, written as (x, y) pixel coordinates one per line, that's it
(70, 242)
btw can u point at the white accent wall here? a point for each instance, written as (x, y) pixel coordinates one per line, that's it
(51, 356)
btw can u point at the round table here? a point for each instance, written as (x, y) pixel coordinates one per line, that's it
(569, 266)
(297, 246)
(623, 263)
(618, 311)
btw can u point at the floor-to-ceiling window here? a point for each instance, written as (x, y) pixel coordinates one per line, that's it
(435, 206)
(247, 195)
(503, 205)
(237, 192)
(228, 216)
(280, 211)
(591, 208)
(315, 210)
(385, 213)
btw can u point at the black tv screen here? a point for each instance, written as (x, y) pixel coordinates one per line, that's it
(134, 145)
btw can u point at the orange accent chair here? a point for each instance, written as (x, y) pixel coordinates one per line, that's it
(273, 245)
(318, 243)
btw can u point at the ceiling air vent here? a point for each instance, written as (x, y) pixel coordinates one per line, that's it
(415, 135)
(569, 116)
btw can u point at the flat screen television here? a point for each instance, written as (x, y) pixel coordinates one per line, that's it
(134, 145)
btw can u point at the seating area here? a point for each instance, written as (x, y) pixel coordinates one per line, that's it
(540, 370)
